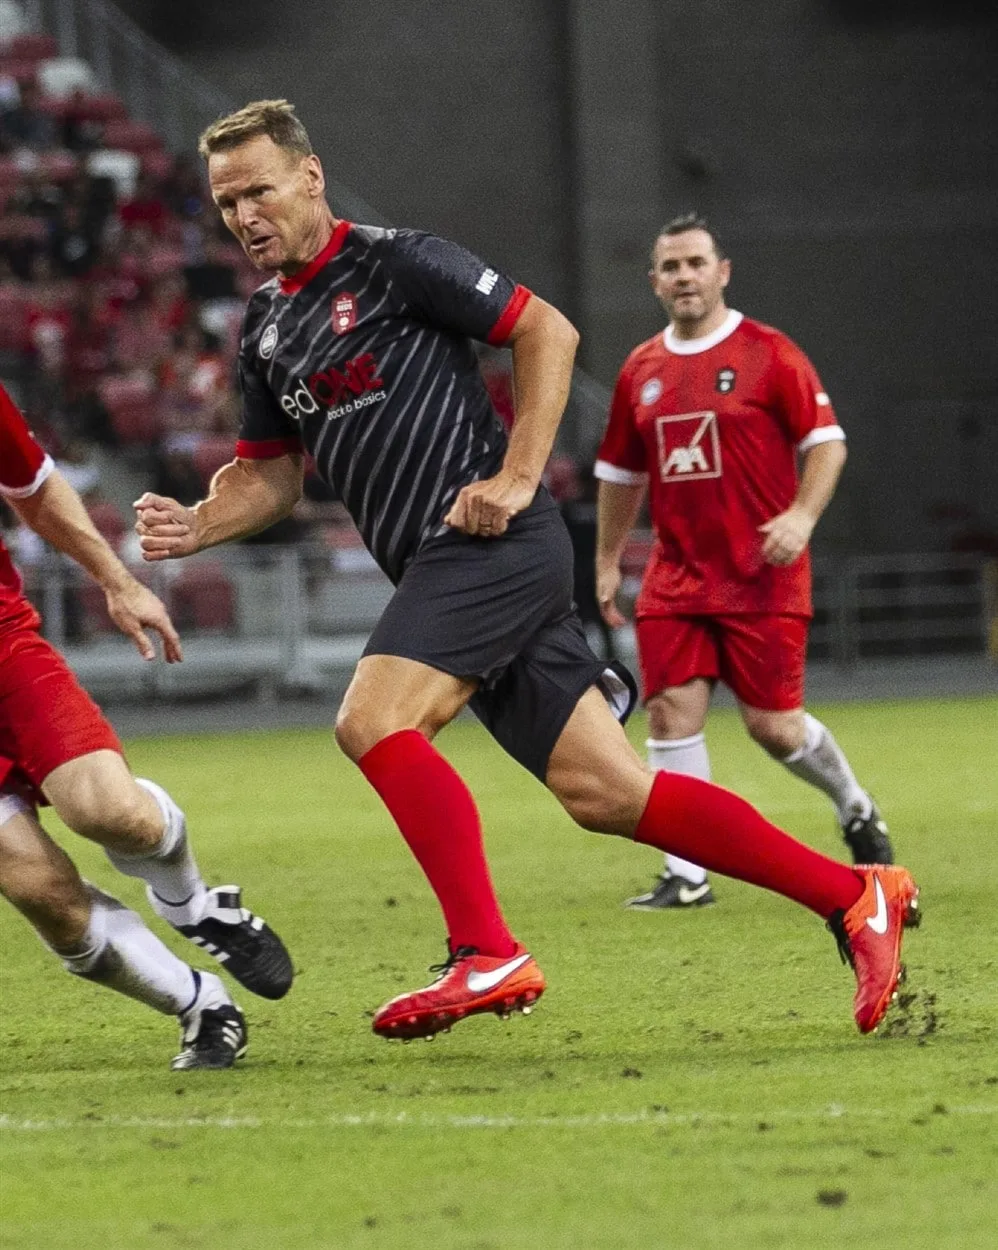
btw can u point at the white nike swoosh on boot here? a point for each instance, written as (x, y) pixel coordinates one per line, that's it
(687, 896)
(479, 982)
(878, 922)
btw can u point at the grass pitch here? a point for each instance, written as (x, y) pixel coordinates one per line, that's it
(692, 1080)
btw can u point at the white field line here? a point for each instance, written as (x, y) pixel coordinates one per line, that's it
(404, 1120)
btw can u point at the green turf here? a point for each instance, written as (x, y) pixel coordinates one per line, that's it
(690, 1081)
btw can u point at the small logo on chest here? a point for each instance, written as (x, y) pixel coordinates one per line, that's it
(651, 390)
(268, 341)
(344, 314)
(725, 381)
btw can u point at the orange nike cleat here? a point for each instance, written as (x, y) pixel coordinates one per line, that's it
(468, 983)
(869, 937)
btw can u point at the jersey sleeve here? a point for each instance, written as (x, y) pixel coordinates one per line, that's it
(24, 464)
(265, 431)
(448, 286)
(622, 456)
(801, 401)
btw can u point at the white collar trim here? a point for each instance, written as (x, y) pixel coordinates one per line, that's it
(693, 347)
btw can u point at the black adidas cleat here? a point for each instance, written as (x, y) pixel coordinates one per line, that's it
(868, 840)
(243, 944)
(671, 890)
(212, 1038)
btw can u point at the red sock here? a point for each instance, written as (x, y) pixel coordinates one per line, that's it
(713, 827)
(437, 816)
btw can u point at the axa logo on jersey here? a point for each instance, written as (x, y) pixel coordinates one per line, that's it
(336, 392)
(689, 446)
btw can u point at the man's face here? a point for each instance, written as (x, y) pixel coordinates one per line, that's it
(687, 275)
(270, 198)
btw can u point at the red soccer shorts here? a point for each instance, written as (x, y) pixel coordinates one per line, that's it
(46, 717)
(760, 657)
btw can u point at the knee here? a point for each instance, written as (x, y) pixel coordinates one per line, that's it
(362, 725)
(600, 808)
(779, 734)
(125, 816)
(358, 729)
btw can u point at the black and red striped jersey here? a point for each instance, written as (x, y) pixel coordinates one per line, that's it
(364, 359)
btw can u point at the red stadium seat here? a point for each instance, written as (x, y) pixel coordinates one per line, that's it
(15, 301)
(164, 258)
(157, 165)
(202, 597)
(210, 455)
(23, 228)
(108, 522)
(131, 405)
(30, 47)
(121, 135)
(22, 69)
(59, 166)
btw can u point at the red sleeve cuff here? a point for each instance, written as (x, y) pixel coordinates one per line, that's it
(503, 328)
(268, 448)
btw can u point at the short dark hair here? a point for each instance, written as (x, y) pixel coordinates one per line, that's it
(686, 222)
(274, 118)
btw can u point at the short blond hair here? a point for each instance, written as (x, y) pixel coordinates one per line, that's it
(274, 118)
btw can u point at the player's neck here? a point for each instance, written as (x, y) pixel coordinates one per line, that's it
(700, 329)
(313, 244)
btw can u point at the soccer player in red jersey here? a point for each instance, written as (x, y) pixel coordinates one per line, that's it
(56, 747)
(358, 351)
(711, 417)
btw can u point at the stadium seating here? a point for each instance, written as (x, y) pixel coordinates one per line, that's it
(131, 405)
(202, 597)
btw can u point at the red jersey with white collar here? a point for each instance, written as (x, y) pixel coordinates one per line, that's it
(715, 425)
(24, 466)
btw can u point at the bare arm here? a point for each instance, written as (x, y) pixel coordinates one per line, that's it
(543, 343)
(56, 513)
(616, 511)
(245, 496)
(788, 534)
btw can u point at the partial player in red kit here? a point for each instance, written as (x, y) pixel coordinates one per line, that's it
(713, 417)
(56, 747)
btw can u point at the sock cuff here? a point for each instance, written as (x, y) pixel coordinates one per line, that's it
(173, 819)
(675, 744)
(814, 731)
(82, 958)
(403, 747)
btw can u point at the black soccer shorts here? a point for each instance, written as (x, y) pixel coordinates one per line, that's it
(500, 610)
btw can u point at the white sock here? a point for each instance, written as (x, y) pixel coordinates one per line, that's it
(120, 952)
(821, 763)
(170, 870)
(689, 757)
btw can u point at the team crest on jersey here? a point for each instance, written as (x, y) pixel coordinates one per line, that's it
(344, 312)
(689, 446)
(268, 341)
(651, 391)
(725, 382)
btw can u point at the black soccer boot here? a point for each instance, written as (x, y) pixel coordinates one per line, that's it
(671, 890)
(867, 839)
(212, 1029)
(243, 944)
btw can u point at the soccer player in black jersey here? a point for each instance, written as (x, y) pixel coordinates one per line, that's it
(359, 353)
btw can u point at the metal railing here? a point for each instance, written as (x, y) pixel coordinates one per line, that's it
(298, 617)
